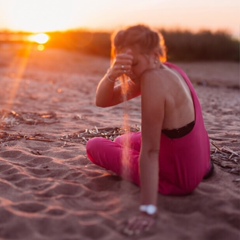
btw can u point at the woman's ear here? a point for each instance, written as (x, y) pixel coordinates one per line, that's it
(156, 55)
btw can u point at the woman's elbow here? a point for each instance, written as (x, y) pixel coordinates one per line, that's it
(101, 104)
(151, 154)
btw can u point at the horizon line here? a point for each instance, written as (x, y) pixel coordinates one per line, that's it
(108, 30)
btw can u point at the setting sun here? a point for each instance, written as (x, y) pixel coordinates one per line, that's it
(40, 38)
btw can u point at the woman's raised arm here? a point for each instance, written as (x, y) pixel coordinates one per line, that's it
(110, 94)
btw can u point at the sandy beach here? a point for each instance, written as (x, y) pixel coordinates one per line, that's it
(49, 190)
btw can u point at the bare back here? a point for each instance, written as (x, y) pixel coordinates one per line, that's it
(178, 106)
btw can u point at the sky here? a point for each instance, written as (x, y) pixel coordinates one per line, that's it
(61, 15)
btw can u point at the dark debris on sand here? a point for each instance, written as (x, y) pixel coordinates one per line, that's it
(109, 133)
(224, 157)
(11, 118)
(227, 159)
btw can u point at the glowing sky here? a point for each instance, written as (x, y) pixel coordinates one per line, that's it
(51, 15)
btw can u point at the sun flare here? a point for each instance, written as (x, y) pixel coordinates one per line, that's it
(40, 38)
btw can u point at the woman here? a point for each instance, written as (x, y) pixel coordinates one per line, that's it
(171, 155)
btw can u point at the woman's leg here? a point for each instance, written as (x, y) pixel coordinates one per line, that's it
(135, 140)
(109, 155)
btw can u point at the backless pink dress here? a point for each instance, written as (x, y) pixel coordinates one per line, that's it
(183, 162)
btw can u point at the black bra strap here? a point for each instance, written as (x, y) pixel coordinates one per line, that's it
(179, 132)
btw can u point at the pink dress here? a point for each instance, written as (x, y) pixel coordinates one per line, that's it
(183, 162)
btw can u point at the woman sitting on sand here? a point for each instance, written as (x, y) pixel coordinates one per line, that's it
(171, 155)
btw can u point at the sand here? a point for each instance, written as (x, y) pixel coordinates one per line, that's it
(48, 188)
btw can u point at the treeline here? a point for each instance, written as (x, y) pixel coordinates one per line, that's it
(204, 45)
(95, 43)
(181, 45)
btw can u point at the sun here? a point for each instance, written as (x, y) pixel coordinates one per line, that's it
(40, 38)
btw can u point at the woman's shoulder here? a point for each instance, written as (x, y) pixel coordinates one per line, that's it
(157, 74)
(151, 73)
(154, 81)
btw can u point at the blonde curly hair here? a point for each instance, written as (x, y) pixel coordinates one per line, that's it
(141, 36)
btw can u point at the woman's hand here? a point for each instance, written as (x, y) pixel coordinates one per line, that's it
(139, 224)
(121, 65)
